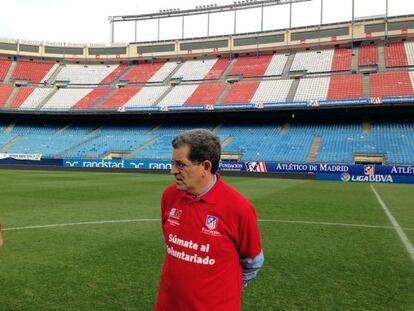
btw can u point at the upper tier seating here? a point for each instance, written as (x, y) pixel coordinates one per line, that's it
(163, 72)
(395, 55)
(147, 96)
(22, 95)
(206, 94)
(35, 98)
(217, 70)
(342, 59)
(36, 72)
(276, 65)
(251, 66)
(120, 97)
(272, 91)
(143, 72)
(178, 95)
(92, 98)
(115, 74)
(195, 69)
(345, 87)
(312, 89)
(66, 98)
(241, 93)
(85, 74)
(391, 84)
(5, 91)
(4, 68)
(368, 55)
(313, 61)
(409, 51)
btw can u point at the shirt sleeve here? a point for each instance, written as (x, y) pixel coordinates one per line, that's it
(248, 240)
(250, 267)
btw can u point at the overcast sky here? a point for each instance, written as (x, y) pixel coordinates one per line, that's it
(82, 21)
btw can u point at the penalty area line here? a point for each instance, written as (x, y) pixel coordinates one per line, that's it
(318, 223)
(403, 237)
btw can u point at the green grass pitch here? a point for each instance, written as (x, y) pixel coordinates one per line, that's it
(314, 258)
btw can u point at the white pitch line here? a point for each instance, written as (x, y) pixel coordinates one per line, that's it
(320, 223)
(404, 239)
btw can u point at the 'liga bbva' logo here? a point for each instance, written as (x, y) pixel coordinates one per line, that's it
(211, 222)
(345, 177)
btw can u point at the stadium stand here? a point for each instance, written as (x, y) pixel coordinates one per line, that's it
(241, 93)
(163, 72)
(115, 74)
(342, 59)
(35, 98)
(178, 95)
(391, 84)
(368, 55)
(66, 98)
(206, 94)
(345, 87)
(35, 72)
(147, 96)
(92, 98)
(195, 69)
(85, 74)
(251, 66)
(119, 98)
(143, 72)
(276, 65)
(409, 51)
(22, 95)
(218, 69)
(5, 91)
(395, 55)
(4, 68)
(272, 91)
(312, 88)
(313, 61)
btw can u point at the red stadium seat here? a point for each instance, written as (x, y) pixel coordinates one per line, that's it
(142, 72)
(368, 55)
(5, 91)
(32, 71)
(206, 94)
(22, 95)
(391, 84)
(241, 93)
(218, 69)
(395, 55)
(119, 98)
(4, 68)
(92, 98)
(114, 74)
(342, 60)
(251, 66)
(345, 87)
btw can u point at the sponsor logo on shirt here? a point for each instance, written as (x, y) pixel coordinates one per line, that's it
(174, 216)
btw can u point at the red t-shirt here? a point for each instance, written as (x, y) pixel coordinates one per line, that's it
(205, 239)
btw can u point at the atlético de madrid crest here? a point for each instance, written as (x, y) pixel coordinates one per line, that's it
(211, 222)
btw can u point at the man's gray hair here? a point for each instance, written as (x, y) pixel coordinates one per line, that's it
(203, 144)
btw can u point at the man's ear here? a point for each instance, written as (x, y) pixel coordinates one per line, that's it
(207, 165)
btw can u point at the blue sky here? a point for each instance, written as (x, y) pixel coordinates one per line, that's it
(82, 21)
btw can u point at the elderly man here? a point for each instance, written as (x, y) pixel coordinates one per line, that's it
(213, 246)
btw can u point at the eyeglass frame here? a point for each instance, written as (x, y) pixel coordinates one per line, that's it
(181, 166)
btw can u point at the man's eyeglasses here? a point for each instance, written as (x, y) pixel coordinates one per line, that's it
(181, 166)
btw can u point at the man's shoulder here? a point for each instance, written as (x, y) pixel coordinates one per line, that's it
(233, 197)
(170, 191)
